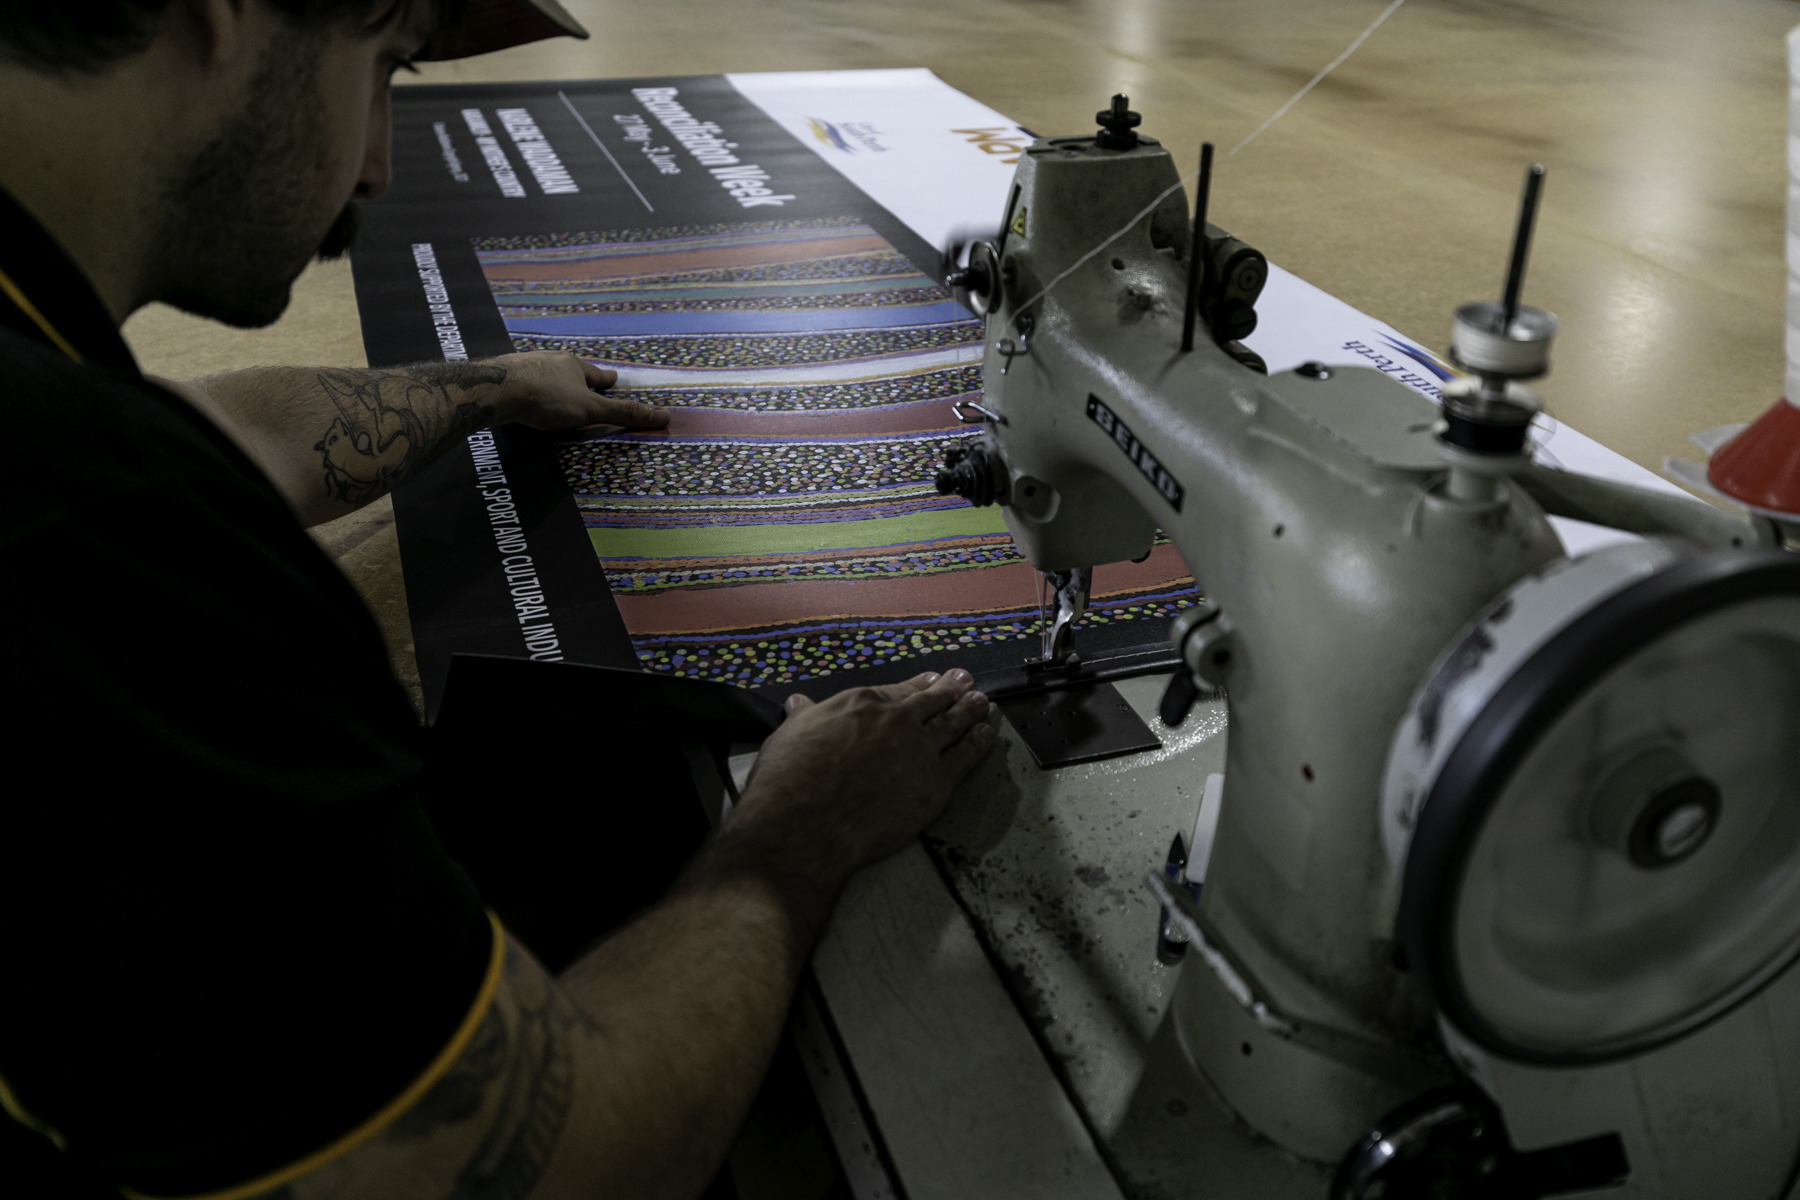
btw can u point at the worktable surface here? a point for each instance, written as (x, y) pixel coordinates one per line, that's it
(1045, 1066)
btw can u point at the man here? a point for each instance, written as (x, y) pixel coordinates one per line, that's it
(239, 962)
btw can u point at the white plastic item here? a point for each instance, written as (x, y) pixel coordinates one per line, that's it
(1205, 825)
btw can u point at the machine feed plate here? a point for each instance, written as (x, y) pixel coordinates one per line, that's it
(1077, 725)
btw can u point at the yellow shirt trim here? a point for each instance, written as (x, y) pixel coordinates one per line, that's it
(446, 1058)
(19, 1113)
(37, 318)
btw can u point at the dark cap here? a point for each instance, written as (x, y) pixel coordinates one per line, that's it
(487, 25)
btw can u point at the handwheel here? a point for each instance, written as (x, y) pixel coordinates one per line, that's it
(1594, 799)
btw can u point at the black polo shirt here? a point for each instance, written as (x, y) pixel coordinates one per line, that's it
(234, 946)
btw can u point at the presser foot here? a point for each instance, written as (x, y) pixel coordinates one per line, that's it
(1069, 590)
(1064, 714)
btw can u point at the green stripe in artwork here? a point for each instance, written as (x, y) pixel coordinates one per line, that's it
(715, 540)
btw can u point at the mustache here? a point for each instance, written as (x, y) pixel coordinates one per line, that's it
(339, 239)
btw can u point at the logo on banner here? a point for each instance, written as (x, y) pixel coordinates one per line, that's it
(1433, 371)
(850, 137)
(998, 140)
(1425, 358)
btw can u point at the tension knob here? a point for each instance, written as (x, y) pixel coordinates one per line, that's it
(972, 473)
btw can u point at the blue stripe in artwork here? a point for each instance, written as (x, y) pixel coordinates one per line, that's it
(566, 292)
(777, 321)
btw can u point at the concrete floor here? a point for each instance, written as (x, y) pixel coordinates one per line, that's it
(1392, 185)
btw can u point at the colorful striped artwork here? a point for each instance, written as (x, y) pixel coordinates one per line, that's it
(785, 526)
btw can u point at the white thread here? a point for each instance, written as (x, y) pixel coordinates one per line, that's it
(1333, 65)
(1329, 68)
(1123, 230)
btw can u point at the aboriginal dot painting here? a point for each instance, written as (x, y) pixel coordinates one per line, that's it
(785, 526)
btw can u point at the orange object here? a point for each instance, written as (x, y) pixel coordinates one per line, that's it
(1760, 467)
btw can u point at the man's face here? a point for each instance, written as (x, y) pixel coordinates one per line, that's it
(240, 222)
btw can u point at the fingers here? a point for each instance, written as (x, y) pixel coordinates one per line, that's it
(944, 729)
(924, 696)
(900, 691)
(962, 755)
(928, 702)
(555, 390)
(597, 378)
(613, 410)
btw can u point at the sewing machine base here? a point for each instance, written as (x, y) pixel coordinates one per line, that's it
(1078, 724)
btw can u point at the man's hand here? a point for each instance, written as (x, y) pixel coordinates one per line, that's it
(852, 780)
(550, 390)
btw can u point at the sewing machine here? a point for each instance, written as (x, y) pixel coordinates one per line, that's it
(1504, 891)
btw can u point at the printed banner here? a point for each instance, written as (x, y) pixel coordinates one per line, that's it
(784, 528)
(784, 532)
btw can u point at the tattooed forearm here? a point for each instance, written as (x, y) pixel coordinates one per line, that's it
(390, 423)
(516, 1079)
(460, 1094)
(333, 440)
(489, 1127)
(534, 1099)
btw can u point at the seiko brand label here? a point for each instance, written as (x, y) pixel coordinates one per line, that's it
(1136, 451)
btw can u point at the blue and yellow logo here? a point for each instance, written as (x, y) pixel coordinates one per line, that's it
(1425, 358)
(829, 135)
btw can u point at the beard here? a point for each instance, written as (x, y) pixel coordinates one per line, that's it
(339, 239)
(239, 223)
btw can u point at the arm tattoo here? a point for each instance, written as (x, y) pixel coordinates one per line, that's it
(532, 1066)
(391, 423)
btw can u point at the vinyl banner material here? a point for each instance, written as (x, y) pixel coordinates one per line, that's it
(784, 532)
